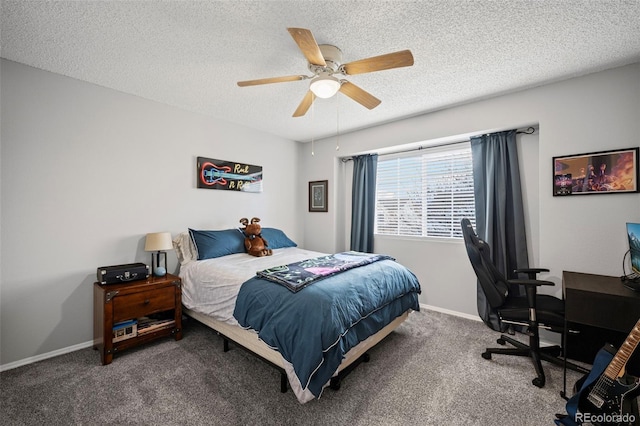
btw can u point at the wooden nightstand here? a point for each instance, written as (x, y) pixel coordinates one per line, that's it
(115, 303)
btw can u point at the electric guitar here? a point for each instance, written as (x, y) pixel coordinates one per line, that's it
(601, 398)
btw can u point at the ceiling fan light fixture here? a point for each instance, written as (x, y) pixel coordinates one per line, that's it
(325, 86)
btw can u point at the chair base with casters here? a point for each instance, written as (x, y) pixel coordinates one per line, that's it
(541, 310)
(536, 353)
(549, 309)
(531, 310)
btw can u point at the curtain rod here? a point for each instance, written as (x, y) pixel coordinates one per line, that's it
(530, 130)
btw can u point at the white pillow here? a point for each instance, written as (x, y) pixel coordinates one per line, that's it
(185, 251)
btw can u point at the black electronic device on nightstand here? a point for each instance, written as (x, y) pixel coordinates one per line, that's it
(122, 273)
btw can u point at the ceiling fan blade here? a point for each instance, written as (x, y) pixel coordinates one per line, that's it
(272, 80)
(400, 59)
(307, 44)
(305, 104)
(363, 97)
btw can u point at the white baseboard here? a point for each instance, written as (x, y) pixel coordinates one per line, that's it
(450, 312)
(84, 345)
(48, 355)
(543, 340)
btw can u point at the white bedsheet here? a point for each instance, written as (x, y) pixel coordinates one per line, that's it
(211, 286)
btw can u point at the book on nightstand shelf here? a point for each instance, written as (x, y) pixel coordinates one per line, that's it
(147, 325)
(125, 330)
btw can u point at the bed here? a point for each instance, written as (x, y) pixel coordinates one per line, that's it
(314, 335)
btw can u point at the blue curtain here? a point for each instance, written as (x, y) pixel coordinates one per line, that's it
(499, 209)
(363, 202)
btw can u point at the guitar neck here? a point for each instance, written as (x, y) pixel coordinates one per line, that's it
(617, 364)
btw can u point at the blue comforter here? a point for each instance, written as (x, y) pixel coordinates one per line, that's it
(314, 328)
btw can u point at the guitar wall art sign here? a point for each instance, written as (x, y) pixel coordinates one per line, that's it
(228, 175)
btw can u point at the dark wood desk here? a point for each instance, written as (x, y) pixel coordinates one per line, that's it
(603, 304)
(600, 301)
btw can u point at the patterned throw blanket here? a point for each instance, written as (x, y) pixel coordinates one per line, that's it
(299, 275)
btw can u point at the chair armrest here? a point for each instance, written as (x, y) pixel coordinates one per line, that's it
(531, 272)
(531, 288)
(536, 283)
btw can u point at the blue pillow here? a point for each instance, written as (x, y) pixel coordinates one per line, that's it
(211, 244)
(276, 238)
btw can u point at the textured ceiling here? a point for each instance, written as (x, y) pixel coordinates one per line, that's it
(190, 54)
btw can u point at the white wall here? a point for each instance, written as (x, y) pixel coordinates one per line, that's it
(86, 173)
(596, 112)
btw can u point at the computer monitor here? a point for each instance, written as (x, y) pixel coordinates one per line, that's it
(633, 231)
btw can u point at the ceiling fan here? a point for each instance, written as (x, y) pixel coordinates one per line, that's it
(325, 62)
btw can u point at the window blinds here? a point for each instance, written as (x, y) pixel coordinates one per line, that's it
(425, 193)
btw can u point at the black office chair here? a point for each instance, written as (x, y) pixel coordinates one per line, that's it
(533, 311)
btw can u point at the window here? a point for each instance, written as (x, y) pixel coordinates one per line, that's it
(425, 193)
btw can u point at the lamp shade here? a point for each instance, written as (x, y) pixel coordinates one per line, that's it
(158, 241)
(324, 86)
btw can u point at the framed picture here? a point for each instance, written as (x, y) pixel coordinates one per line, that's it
(318, 196)
(605, 172)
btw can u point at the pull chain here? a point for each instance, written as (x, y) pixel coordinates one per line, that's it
(337, 123)
(312, 129)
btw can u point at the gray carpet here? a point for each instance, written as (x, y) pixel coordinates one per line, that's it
(428, 372)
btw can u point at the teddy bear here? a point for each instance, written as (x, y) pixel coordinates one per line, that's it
(253, 241)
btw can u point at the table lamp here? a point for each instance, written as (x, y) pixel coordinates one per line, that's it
(158, 242)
